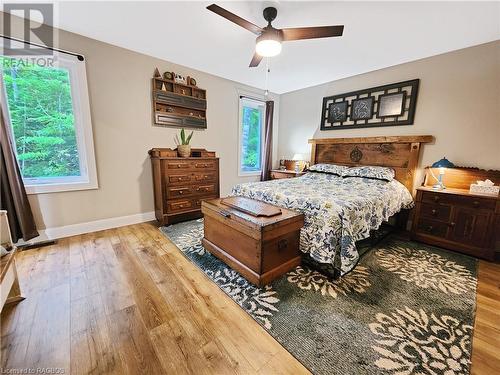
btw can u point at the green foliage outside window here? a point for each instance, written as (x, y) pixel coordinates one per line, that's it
(41, 113)
(251, 138)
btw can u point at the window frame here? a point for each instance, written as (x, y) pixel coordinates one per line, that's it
(242, 97)
(83, 131)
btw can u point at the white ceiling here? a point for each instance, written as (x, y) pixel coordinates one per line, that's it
(376, 35)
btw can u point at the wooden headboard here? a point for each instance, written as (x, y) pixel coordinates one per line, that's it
(398, 152)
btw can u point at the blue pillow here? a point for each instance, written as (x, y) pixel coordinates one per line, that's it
(378, 173)
(328, 168)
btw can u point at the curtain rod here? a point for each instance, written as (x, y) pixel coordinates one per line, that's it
(77, 55)
(249, 97)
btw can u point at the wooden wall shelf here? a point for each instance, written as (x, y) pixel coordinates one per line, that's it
(179, 105)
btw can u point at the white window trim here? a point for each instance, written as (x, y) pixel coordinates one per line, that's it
(258, 99)
(83, 132)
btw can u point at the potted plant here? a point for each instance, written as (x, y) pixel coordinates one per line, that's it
(184, 148)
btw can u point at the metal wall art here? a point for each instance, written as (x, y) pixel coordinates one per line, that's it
(388, 105)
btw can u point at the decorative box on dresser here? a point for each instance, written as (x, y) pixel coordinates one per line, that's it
(456, 219)
(180, 184)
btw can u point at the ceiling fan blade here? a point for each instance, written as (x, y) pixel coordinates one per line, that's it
(256, 59)
(296, 33)
(234, 18)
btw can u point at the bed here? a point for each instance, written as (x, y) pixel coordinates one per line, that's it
(339, 211)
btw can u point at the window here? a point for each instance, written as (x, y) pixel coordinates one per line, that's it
(46, 102)
(251, 135)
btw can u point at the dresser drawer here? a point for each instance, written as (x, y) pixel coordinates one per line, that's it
(177, 165)
(181, 205)
(204, 164)
(197, 201)
(204, 189)
(178, 192)
(179, 178)
(435, 211)
(432, 228)
(201, 177)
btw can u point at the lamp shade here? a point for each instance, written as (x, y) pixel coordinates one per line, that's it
(443, 163)
(298, 157)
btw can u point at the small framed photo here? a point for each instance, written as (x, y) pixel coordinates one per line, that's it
(337, 112)
(391, 105)
(362, 109)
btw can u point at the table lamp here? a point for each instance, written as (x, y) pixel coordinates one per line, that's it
(297, 158)
(442, 165)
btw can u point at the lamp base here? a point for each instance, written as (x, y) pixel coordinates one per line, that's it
(439, 187)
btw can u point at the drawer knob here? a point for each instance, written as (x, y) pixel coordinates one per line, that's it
(430, 228)
(434, 212)
(452, 224)
(436, 198)
(475, 203)
(181, 192)
(179, 165)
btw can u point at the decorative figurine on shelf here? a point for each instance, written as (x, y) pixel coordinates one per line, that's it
(180, 79)
(442, 164)
(183, 147)
(168, 76)
(157, 73)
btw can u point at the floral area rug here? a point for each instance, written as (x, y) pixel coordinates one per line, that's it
(407, 308)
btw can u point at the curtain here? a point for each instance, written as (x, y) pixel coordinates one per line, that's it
(13, 196)
(267, 159)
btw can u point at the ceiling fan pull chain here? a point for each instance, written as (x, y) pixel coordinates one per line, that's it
(266, 92)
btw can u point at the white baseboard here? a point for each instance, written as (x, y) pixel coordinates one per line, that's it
(91, 226)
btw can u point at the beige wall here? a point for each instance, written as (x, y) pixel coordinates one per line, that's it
(119, 83)
(458, 103)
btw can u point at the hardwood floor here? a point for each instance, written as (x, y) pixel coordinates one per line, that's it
(126, 301)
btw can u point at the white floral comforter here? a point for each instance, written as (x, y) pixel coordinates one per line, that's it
(338, 211)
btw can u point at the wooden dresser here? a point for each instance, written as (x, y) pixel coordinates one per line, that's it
(456, 219)
(180, 184)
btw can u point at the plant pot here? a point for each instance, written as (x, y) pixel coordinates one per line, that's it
(184, 151)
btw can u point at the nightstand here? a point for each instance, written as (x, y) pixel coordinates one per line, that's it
(278, 173)
(457, 220)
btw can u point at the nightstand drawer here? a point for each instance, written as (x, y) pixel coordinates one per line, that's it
(432, 228)
(466, 201)
(436, 211)
(431, 197)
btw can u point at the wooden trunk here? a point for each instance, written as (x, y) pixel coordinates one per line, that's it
(260, 248)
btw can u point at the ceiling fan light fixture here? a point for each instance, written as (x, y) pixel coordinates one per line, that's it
(268, 47)
(269, 43)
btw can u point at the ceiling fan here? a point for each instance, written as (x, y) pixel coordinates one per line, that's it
(269, 39)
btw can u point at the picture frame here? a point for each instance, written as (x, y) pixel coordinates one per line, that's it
(337, 112)
(391, 104)
(362, 108)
